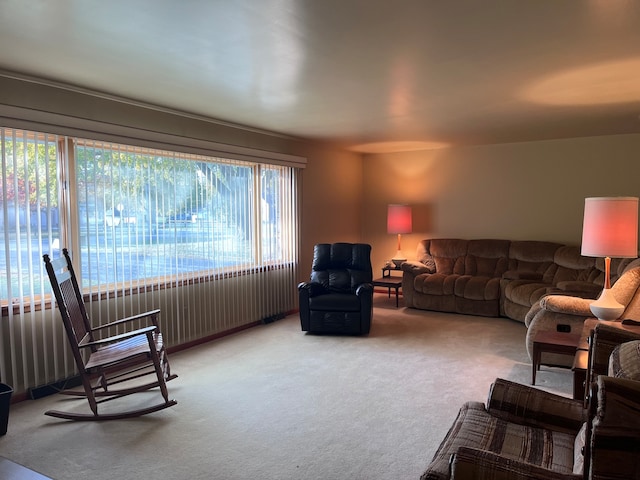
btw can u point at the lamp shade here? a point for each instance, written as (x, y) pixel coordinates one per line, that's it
(399, 219)
(610, 227)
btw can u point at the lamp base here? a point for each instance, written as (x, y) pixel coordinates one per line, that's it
(606, 307)
(398, 261)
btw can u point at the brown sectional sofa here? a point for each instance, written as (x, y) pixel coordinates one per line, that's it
(493, 277)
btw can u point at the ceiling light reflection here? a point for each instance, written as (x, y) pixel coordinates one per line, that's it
(392, 147)
(603, 83)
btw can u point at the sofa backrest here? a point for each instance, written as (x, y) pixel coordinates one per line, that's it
(482, 257)
(487, 258)
(534, 256)
(572, 266)
(446, 255)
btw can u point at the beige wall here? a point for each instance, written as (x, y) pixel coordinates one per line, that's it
(331, 200)
(532, 190)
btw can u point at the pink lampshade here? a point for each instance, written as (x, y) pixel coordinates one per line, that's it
(610, 227)
(399, 219)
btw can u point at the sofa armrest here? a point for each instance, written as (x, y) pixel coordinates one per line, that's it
(415, 267)
(567, 304)
(474, 463)
(528, 405)
(522, 275)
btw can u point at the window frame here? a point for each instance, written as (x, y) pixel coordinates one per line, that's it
(69, 222)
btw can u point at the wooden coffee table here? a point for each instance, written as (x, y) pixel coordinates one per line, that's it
(552, 342)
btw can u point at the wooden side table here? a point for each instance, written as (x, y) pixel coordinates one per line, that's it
(552, 342)
(388, 281)
(387, 269)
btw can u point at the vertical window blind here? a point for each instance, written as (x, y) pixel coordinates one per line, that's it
(29, 227)
(211, 241)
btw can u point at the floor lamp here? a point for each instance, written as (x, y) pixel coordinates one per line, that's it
(399, 222)
(609, 229)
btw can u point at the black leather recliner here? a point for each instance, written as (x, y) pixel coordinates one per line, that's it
(339, 297)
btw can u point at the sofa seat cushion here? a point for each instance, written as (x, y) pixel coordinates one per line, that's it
(476, 428)
(335, 302)
(477, 288)
(435, 284)
(463, 286)
(525, 292)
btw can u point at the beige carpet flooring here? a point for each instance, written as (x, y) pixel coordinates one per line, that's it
(274, 403)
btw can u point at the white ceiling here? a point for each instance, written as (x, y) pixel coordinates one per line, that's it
(396, 73)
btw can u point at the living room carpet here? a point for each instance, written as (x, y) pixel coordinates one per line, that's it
(272, 402)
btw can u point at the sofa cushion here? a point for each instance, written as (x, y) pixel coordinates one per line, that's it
(435, 284)
(487, 257)
(475, 427)
(525, 292)
(335, 302)
(483, 266)
(447, 253)
(477, 288)
(534, 256)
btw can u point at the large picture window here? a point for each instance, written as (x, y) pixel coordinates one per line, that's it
(210, 240)
(135, 217)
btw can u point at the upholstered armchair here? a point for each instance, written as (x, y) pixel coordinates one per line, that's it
(338, 298)
(526, 433)
(568, 312)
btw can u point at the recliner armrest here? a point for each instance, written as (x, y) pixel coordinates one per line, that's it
(567, 304)
(364, 289)
(475, 463)
(528, 405)
(312, 288)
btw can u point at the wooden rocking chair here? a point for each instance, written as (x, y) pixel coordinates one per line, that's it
(103, 362)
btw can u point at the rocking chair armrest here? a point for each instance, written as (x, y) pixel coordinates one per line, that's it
(133, 318)
(115, 338)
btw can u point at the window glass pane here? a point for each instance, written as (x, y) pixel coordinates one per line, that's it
(275, 213)
(137, 216)
(156, 215)
(29, 212)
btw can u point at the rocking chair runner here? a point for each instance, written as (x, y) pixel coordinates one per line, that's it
(103, 362)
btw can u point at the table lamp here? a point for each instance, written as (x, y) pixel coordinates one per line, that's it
(399, 222)
(609, 229)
